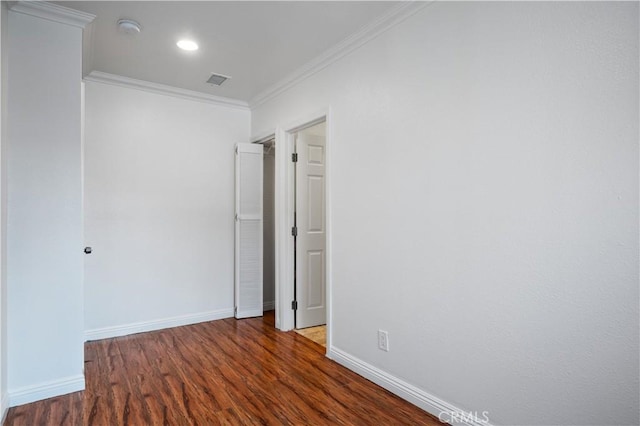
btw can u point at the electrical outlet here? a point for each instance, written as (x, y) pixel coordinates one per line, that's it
(383, 340)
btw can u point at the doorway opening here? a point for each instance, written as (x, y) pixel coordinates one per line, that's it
(290, 178)
(309, 231)
(269, 227)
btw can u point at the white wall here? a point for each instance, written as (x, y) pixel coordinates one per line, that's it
(4, 13)
(159, 209)
(44, 235)
(484, 201)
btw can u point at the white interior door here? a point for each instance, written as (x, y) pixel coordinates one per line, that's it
(311, 224)
(248, 256)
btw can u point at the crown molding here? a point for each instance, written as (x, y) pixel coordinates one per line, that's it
(147, 86)
(52, 12)
(348, 45)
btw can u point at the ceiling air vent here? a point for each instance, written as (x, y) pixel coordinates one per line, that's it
(217, 79)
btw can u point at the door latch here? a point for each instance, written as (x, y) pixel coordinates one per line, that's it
(87, 250)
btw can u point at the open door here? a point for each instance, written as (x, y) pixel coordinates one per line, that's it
(311, 227)
(249, 222)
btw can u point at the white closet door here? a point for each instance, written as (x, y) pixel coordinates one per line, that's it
(248, 258)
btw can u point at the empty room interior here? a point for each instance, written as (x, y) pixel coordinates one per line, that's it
(340, 212)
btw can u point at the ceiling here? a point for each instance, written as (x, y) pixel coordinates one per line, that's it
(256, 43)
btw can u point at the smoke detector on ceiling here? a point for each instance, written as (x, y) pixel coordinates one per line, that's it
(217, 79)
(128, 26)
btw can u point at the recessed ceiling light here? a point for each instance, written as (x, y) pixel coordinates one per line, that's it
(187, 45)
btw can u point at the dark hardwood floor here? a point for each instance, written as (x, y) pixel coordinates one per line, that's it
(221, 372)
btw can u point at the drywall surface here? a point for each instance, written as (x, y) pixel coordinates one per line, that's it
(484, 199)
(44, 224)
(4, 56)
(159, 215)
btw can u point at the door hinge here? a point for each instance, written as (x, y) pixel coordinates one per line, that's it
(235, 311)
(294, 305)
(294, 157)
(294, 231)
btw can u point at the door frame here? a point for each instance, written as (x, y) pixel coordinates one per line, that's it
(284, 211)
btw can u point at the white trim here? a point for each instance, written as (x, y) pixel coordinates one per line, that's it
(88, 52)
(328, 146)
(284, 207)
(281, 212)
(284, 221)
(162, 89)
(404, 390)
(264, 136)
(306, 121)
(140, 327)
(46, 390)
(53, 12)
(4, 407)
(367, 33)
(269, 306)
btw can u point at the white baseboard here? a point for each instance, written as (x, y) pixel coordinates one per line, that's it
(45, 390)
(140, 327)
(4, 407)
(404, 390)
(269, 306)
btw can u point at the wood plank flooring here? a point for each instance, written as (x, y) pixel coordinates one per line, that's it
(225, 372)
(317, 334)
